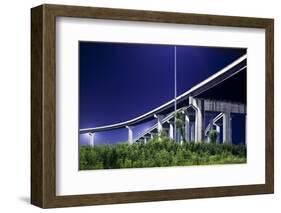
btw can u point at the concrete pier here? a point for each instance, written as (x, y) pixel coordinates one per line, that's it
(92, 139)
(130, 134)
(159, 123)
(227, 128)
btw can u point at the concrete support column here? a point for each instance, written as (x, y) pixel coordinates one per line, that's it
(152, 134)
(200, 120)
(199, 117)
(159, 123)
(171, 130)
(92, 139)
(145, 140)
(227, 133)
(130, 134)
(187, 128)
(207, 135)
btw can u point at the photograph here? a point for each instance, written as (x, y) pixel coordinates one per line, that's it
(159, 105)
(139, 105)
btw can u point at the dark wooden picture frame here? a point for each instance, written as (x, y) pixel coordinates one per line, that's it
(43, 105)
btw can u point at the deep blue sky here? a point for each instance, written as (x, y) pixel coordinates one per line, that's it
(119, 81)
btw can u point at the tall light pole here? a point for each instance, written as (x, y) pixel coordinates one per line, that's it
(175, 92)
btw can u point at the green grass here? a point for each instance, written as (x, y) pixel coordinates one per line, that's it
(159, 152)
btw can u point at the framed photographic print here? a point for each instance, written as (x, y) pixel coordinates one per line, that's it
(136, 106)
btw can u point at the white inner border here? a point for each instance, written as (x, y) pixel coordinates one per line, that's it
(70, 181)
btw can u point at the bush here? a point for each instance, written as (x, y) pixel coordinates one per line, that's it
(159, 152)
